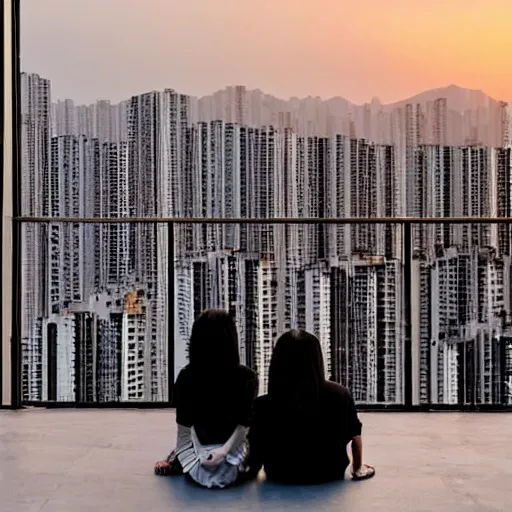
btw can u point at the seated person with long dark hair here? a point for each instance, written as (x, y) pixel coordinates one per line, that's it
(301, 428)
(214, 400)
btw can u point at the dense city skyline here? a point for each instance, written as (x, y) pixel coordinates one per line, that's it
(359, 50)
(96, 325)
(468, 116)
(440, 90)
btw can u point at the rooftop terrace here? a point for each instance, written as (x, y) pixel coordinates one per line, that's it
(83, 460)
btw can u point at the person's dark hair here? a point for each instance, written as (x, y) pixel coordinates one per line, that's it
(214, 341)
(296, 372)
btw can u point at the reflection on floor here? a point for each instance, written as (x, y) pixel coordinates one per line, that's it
(90, 460)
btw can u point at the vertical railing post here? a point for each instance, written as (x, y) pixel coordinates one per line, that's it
(16, 352)
(170, 312)
(408, 369)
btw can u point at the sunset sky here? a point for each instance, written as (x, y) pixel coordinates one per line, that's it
(392, 49)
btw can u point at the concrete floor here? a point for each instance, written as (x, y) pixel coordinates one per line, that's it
(90, 460)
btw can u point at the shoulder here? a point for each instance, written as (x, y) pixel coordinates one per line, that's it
(335, 392)
(183, 377)
(261, 404)
(245, 373)
(183, 374)
(261, 401)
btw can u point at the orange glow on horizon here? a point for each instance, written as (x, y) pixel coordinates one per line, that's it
(386, 48)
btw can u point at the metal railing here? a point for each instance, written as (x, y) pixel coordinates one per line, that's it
(406, 224)
(269, 220)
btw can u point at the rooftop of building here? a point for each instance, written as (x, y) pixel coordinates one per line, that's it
(82, 460)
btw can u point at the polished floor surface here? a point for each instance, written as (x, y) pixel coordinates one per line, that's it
(95, 460)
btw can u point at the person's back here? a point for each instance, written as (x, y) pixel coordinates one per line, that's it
(214, 399)
(215, 406)
(301, 428)
(305, 446)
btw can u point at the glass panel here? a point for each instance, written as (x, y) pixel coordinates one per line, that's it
(462, 312)
(342, 283)
(94, 312)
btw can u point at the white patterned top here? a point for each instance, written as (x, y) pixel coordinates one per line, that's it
(192, 454)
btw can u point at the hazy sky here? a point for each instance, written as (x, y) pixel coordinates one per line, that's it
(358, 49)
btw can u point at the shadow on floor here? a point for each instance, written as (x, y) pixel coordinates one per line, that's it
(254, 495)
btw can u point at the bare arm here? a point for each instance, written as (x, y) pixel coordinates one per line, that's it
(360, 471)
(236, 438)
(163, 466)
(219, 454)
(182, 434)
(352, 427)
(357, 453)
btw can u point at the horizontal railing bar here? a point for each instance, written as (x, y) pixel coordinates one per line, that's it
(361, 407)
(97, 405)
(272, 220)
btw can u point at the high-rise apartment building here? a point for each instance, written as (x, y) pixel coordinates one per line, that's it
(261, 182)
(317, 171)
(476, 191)
(373, 192)
(35, 172)
(65, 119)
(440, 121)
(157, 138)
(215, 176)
(112, 247)
(503, 197)
(72, 191)
(140, 378)
(460, 310)
(314, 306)
(366, 328)
(101, 120)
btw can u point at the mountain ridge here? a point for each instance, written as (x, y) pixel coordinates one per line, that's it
(456, 95)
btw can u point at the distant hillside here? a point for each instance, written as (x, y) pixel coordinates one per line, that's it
(458, 98)
(471, 116)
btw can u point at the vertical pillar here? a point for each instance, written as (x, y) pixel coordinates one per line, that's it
(6, 205)
(408, 366)
(10, 282)
(171, 326)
